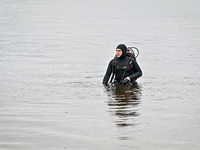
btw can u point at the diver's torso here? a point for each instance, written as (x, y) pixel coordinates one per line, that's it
(121, 63)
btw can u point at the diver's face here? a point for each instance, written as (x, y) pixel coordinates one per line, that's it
(118, 52)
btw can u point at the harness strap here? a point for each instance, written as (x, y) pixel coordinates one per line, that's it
(125, 67)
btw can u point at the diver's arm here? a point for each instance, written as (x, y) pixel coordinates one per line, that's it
(108, 73)
(137, 71)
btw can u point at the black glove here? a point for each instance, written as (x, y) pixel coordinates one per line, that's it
(126, 81)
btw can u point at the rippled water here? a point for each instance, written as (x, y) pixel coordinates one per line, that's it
(53, 56)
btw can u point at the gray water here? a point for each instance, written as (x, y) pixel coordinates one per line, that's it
(54, 54)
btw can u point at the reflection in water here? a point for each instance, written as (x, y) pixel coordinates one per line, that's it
(123, 102)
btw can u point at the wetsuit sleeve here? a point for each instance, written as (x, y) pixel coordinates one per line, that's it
(137, 72)
(108, 73)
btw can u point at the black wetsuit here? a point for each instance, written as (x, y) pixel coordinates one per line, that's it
(133, 72)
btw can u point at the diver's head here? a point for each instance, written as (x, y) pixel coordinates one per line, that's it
(121, 51)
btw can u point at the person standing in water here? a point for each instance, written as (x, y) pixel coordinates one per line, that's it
(125, 71)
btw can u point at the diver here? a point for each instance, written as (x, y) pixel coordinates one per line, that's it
(124, 69)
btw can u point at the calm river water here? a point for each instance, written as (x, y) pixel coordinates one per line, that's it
(54, 54)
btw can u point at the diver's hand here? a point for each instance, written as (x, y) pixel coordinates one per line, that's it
(127, 78)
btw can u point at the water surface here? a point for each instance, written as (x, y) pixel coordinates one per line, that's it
(53, 56)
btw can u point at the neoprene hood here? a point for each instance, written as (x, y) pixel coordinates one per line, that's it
(123, 48)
